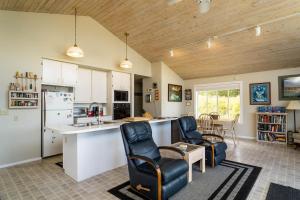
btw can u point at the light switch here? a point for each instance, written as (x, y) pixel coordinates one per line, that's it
(3, 112)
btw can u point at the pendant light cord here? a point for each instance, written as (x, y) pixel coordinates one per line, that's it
(126, 35)
(75, 26)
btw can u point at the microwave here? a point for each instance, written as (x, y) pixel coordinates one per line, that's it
(120, 95)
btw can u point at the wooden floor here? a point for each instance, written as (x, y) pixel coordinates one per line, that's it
(44, 180)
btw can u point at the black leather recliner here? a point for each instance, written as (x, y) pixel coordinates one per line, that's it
(150, 174)
(215, 152)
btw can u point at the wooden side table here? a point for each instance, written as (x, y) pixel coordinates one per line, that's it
(193, 153)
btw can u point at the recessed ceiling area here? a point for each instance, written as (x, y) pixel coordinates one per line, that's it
(156, 27)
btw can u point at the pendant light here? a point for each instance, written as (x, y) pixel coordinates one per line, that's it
(75, 51)
(126, 63)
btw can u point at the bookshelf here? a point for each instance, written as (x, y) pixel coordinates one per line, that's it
(271, 127)
(23, 99)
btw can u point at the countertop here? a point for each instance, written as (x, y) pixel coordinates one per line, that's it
(69, 129)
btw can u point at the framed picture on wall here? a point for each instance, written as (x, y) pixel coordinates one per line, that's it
(188, 94)
(289, 87)
(174, 93)
(260, 93)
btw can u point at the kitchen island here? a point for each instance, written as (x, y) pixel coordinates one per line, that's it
(92, 150)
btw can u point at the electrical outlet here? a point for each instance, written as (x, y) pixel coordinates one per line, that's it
(16, 118)
(3, 112)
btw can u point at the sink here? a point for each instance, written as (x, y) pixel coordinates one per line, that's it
(79, 125)
(91, 124)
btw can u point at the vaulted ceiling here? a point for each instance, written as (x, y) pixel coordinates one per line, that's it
(155, 28)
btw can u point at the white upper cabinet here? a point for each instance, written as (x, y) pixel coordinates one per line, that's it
(59, 73)
(121, 81)
(99, 87)
(83, 90)
(69, 74)
(51, 71)
(91, 86)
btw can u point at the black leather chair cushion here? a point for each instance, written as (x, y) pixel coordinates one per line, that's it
(193, 134)
(174, 186)
(170, 168)
(188, 124)
(218, 158)
(219, 148)
(140, 141)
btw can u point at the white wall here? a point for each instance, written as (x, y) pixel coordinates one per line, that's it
(170, 109)
(27, 37)
(163, 75)
(247, 128)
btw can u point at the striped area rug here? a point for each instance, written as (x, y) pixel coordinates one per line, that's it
(229, 180)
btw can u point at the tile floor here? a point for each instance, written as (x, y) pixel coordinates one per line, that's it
(44, 180)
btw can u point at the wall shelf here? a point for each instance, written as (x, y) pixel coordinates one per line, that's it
(23, 99)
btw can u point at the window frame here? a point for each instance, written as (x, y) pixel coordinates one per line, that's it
(220, 86)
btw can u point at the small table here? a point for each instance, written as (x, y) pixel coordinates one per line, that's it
(193, 153)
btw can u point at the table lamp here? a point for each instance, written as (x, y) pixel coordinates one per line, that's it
(294, 105)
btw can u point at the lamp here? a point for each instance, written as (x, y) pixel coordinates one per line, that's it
(75, 51)
(294, 105)
(126, 63)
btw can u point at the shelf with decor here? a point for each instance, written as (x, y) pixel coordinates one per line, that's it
(271, 127)
(23, 99)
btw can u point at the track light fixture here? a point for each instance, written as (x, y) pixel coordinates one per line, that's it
(209, 43)
(171, 53)
(258, 31)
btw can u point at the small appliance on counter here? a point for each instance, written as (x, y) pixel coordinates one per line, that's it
(57, 109)
(121, 110)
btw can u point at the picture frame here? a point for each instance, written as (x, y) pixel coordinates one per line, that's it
(289, 87)
(260, 93)
(188, 94)
(174, 93)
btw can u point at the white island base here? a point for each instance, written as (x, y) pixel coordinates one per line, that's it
(87, 152)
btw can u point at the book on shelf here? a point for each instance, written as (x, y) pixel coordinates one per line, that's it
(271, 119)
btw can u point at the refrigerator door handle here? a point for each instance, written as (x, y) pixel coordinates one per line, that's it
(44, 97)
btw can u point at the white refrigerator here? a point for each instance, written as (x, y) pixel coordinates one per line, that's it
(57, 109)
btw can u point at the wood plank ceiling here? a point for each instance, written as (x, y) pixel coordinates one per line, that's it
(155, 28)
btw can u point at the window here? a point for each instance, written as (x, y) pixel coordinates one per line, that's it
(223, 98)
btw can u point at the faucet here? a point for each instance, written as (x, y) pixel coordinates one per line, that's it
(90, 108)
(92, 104)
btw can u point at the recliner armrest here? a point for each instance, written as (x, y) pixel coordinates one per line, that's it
(146, 159)
(213, 135)
(197, 139)
(174, 149)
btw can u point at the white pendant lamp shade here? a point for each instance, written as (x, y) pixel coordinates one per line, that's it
(126, 64)
(204, 5)
(74, 51)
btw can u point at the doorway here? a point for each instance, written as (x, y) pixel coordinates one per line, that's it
(138, 95)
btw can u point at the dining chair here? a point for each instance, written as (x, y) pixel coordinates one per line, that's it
(217, 126)
(232, 128)
(206, 124)
(215, 115)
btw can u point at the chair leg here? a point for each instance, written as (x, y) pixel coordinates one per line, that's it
(233, 138)
(212, 156)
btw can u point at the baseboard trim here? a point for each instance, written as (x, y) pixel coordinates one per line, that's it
(20, 162)
(243, 137)
(247, 137)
